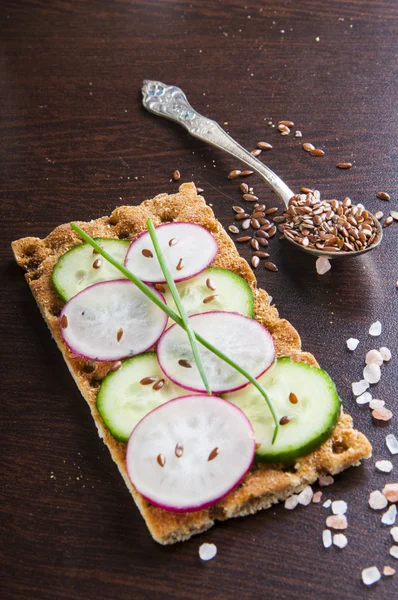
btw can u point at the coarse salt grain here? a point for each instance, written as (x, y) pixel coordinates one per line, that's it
(327, 503)
(375, 329)
(382, 414)
(390, 516)
(374, 357)
(322, 265)
(391, 492)
(340, 540)
(377, 500)
(352, 344)
(207, 551)
(392, 443)
(388, 571)
(370, 575)
(385, 353)
(394, 551)
(327, 538)
(291, 503)
(305, 496)
(339, 507)
(325, 480)
(376, 404)
(372, 373)
(359, 387)
(317, 497)
(337, 522)
(384, 466)
(364, 398)
(394, 533)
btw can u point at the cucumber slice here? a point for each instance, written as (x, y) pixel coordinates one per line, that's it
(122, 401)
(231, 293)
(74, 271)
(313, 417)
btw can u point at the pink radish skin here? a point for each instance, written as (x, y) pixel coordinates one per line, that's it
(244, 438)
(151, 341)
(208, 242)
(268, 360)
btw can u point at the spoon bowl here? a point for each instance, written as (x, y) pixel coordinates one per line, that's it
(170, 102)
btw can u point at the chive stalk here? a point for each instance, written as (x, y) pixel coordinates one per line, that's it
(177, 300)
(149, 293)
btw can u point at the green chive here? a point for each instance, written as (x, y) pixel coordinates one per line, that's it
(149, 293)
(177, 300)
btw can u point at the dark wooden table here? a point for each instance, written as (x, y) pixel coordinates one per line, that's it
(75, 143)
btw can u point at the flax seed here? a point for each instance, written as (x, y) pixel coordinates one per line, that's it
(250, 197)
(246, 224)
(246, 173)
(256, 152)
(285, 420)
(179, 450)
(271, 211)
(254, 223)
(254, 244)
(243, 239)
(64, 321)
(233, 229)
(272, 231)
(234, 174)
(263, 242)
(147, 380)
(287, 123)
(255, 261)
(119, 334)
(387, 221)
(209, 299)
(238, 209)
(270, 266)
(308, 147)
(210, 284)
(184, 363)
(180, 265)
(317, 152)
(160, 287)
(158, 385)
(264, 146)
(97, 263)
(161, 460)
(213, 454)
(241, 216)
(383, 195)
(293, 398)
(147, 253)
(284, 129)
(176, 175)
(261, 254)
(173, 242)
(344, 165)
(244, 188)
(115, 367)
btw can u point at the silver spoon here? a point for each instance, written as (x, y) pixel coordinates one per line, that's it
(170, 102)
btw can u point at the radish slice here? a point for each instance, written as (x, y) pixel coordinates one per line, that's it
(190, 452)
(244, 340)
(187, 248)
(111, 320)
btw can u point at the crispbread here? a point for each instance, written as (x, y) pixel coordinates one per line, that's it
(265, 484)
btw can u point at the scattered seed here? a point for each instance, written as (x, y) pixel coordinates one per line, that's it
(234, 174)
(199, 190)
(213, 454)
(272, 231)
(233, 229)
(279, 219)
(383, 195)
(388, 221)
(293, 398)
(116, 366)
(264, 146)
(271, 211)
(238, 209)
(173, 242)
(255, 261)
(256, 152)
(243, 239)
(317, 152)
(158, 385)
(210, 284)
(284, 129)
(147, 380)
(119, 334)
(285, 420)
(246, 224)
(255, 244)
(394, 215)
(160, 287)
(161, 459)
(270, 266)
(179, 450)
(241, 216)
(97, 263)
(308, 147)
(250, 197)
(379, 215)
(64, 321)
(255, 223)
(176, 175)
(244, 188)
(209, 299)
(344, 165)
(261, 254)
(246, 173)
(180, 265)
(184, 363)
(263, 242)
(147, 253)
(286, 123)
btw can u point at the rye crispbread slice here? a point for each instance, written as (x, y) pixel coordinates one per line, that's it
(265, 484)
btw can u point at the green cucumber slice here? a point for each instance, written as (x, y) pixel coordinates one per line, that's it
(232, 293)
(122, 401)
(74, 270)
(313, 417)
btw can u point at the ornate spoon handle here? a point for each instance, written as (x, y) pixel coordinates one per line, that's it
(170, 102)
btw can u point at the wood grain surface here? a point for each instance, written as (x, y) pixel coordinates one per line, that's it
(75, 143)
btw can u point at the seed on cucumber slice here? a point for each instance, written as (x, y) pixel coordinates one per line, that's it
(305, 400)
(80, 267)
(128, 394)
(213, 289)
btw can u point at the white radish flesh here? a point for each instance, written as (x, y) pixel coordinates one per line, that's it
(111, 320)
(190, 452)
(242, 339)
(187, 248)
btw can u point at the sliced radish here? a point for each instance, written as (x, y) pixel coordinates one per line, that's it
(190, 452)
(244, 340)
(188, 250)
(111, 320)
